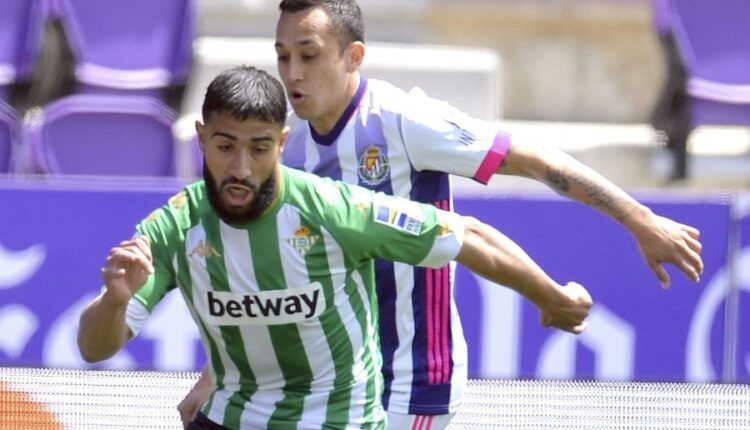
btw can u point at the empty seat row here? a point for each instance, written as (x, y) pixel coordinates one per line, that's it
(118, 135)
(134, 45)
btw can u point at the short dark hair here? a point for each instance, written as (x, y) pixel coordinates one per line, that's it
(347, 24)
(246, 93)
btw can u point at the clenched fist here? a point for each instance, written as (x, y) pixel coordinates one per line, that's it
(127, 268)
(569, 312)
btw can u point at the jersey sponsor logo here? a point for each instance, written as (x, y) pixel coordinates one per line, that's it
(407, 218)
(290, 305)
(204, 250)
(373, 166)
(303, 240)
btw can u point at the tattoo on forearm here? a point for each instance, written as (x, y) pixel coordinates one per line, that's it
(596, 195)
(558, 181)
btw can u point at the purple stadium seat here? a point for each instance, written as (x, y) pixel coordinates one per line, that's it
(102, 135)
(129, 45)
(714, 40)
(8, 137)
(713, 43)
(20, 31)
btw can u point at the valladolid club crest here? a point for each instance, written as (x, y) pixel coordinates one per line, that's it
(303, 240)
(373, 166)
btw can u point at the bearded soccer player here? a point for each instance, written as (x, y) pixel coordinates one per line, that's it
(368, 132)
(276, 267)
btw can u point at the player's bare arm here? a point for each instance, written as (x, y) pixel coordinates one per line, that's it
(103, 331)
(660, 240)
(489, 253)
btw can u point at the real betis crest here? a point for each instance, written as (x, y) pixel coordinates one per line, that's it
(303, 241)
(373, 166)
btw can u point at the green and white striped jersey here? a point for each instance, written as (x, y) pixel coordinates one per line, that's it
(286, 304)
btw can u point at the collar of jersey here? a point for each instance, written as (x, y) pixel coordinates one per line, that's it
(331, 137)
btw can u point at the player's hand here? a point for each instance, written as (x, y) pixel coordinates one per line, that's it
(662, 240)
(195, 399)
(126, 269)
(569, 312)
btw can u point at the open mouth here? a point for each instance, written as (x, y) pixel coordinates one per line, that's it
(238, 195)
(296, 97)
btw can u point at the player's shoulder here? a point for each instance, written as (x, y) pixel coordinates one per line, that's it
(384, 96)
(320, 194)
(387, 97)
(181, 211)
(302, 184)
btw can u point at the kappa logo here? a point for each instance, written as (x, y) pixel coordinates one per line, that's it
(151, 217)
(444, 229)
(373, 166)
(290, 305)
(204, 250)
(303, 241)
(361, 198)
(178, 200)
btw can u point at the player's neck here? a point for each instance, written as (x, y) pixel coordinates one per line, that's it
(326, 123)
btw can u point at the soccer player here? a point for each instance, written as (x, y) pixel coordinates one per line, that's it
(276, 267)
(370, 133)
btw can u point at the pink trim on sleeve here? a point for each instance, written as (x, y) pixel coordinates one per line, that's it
(494, 157)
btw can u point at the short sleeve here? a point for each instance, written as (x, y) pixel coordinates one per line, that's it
(158, 227)
(439, 137)
(377, 225)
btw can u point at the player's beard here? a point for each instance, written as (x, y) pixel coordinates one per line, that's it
(264, 196)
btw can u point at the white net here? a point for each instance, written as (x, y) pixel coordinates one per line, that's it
(603, 405)
(51, 399)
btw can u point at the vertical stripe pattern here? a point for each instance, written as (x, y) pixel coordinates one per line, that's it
(424, 354)
(438, 297)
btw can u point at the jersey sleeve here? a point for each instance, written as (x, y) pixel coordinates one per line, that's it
(159, 228)
(439, 137)
(376, 225)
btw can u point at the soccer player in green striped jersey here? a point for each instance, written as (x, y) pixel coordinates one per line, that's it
(276, 267)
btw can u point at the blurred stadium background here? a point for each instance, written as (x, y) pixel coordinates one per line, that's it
(93, 136)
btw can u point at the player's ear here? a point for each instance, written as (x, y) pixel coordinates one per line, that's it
(355, 54)
(284, 134)
(199, 130)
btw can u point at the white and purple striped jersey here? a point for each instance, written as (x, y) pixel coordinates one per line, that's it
(407, 144)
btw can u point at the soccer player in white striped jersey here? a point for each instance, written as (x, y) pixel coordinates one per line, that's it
(276, 267)
(367, 132)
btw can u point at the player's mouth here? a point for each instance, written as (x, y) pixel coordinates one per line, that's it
(297, 97)
(238, 195)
